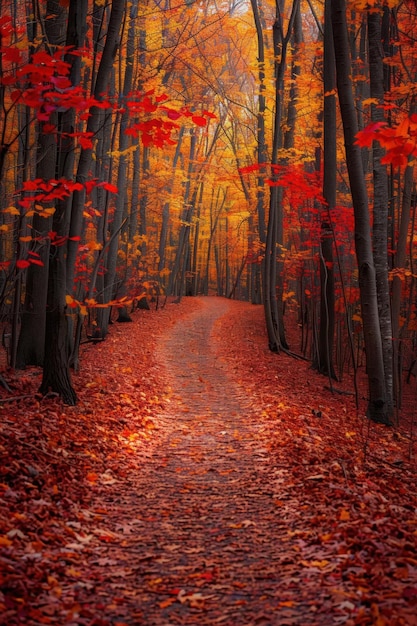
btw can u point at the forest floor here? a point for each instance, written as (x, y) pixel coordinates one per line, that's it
(202, 480)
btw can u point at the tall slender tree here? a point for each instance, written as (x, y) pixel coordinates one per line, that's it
(56, 374)
(324, 359)
(120, 203)
(273, 281)
(378, 406)
(31, 344)
(381, 199)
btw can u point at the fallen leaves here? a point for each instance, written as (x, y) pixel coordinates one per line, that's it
(56, 460)
(5, 541)
(282, 509)
(354, 501)
(344, 515)
(195, 600)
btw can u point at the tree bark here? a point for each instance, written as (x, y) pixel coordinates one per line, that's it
(31, 343)
(178, 270)
(56, 376)
(110, 279)
(272, 274)
(381, 200)
(324, 360)
(56, 373)
(261, 142)
(378, 408)
(84, 164)
(166, 208)
(216, 208)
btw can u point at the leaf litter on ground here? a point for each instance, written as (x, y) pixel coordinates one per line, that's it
(65, 470)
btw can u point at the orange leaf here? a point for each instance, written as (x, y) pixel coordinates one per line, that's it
(5, 541)
(165, 603)
(344, 515)
(71, 302)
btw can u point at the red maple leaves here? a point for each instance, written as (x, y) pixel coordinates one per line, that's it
(400, 141)
(42, 83)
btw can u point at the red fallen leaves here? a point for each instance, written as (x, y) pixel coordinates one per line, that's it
(195, 600)
(356, 480)
(55, 458)
(64, 468)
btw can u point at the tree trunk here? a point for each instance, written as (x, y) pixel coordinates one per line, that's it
(56, 375)
(272, 274)
(378, 409)
(166, 208)
(86, 156)
(216, 208)
(110, 280)
(31, 344)
(324, 359)
(400, 260)
(381, 200)
(261, 143)
(178, 270)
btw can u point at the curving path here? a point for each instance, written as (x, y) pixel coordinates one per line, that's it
(209, 542)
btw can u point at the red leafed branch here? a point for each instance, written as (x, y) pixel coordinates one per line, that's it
(400, 141)
(293, 178)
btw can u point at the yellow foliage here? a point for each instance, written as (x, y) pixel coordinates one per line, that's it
(127, 151)
(45, 211)
(94, 245)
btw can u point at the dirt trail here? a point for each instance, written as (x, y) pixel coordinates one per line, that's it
(197, 484)
(206, 542)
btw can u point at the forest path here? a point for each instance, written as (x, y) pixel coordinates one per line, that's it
(201, 480)
(208, 540)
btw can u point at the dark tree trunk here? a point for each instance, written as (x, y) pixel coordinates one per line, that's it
(216, 208)
(124, 315)
(31, 344)
(110, 280)
(400, 263)
(56, 372)
(378, 409)
(261, 142)
(381, 200)
(166, 208)
(178, 271)
(324, 360)
(56, 375)
(273, 265)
